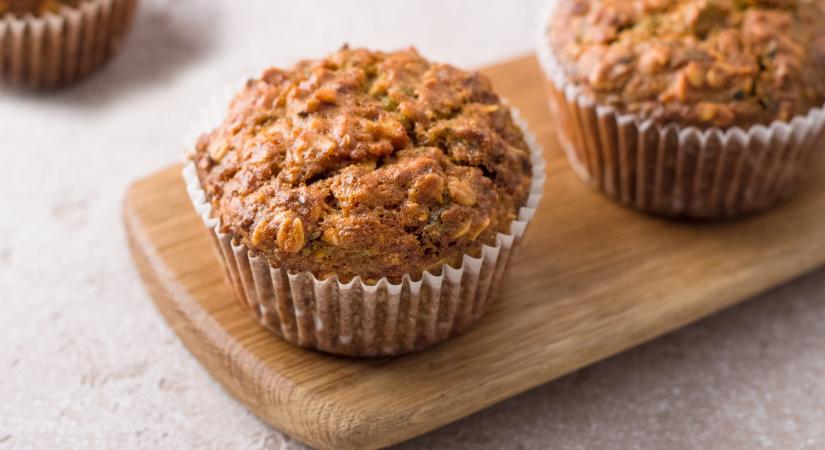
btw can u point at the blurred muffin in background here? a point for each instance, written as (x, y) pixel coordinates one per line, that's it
(691, 108)
(53, 43)
(37, 7)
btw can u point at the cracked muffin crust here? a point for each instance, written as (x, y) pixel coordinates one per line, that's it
(707, 63)
(365, 163)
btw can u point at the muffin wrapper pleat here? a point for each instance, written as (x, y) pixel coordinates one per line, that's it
(53, 50)
(361, 319)
(673, 170)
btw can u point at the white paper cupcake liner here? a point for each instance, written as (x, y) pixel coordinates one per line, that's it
(57, 49)
(673, 170)
(357, 318)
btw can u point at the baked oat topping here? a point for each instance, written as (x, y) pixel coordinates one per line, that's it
(698, 62)
(366, 163)
(36, 7)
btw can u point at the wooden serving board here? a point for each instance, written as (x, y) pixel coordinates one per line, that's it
(591, 280)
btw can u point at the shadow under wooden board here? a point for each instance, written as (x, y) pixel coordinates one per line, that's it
(591, 280)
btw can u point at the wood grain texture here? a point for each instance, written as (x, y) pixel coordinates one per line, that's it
(591, 280)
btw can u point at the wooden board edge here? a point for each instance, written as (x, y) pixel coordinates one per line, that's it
(325, 424)
(222, 358)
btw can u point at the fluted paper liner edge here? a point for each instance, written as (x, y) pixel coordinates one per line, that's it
(357, 318)
(674, 170)
(54, 50)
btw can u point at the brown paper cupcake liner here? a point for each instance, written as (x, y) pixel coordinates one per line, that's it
(361, 319)
(54, 50)
(673, 170)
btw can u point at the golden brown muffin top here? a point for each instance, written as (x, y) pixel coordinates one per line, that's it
(36, 7)
(366, 163)
(697, 62)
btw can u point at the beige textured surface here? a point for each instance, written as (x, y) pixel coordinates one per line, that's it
(86, 361)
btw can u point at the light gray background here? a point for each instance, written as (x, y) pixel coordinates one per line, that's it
(87, 362)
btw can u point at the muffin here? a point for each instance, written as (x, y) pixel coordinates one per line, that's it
(366, 203)
(37, 7)
(52, 43)
(688, 108)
